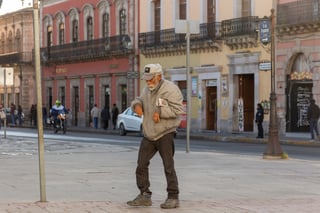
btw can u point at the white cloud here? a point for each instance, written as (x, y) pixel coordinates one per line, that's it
(14, 5)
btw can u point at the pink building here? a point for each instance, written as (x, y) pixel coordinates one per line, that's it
(297, 62)
(89, 55)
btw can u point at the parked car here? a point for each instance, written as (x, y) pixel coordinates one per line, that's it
(129, 121)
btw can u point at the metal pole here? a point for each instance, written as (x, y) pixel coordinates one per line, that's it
(5, 103)
(36, 34)
(188, 88)
(273, 148)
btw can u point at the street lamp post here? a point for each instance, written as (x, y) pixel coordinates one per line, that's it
(36, 33)
(273, 147)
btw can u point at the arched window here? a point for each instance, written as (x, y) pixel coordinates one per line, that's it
(61, 33)
(49, 36)
(75, 32)
(89, 28)
(10, 42)
(105, 25)
(2, 43)
(18, 41)
(123, 22)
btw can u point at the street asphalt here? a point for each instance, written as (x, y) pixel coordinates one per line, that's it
(92, 177)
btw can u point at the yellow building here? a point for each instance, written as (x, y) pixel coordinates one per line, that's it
(224, 57)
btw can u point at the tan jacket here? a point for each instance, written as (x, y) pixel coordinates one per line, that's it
(170, 111)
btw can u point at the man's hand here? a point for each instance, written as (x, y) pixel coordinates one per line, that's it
(156, 117)
(138, 110)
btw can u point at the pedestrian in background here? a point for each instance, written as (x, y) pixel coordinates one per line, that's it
(20, 115)
(313, 117)
(44, 115)
(33, 115)
(12, 114)
(105, 117)
(95, 111)
(115, 113)
(259, 120)
(2, 114)
(160, 103)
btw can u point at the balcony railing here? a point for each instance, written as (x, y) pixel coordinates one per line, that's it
(298, 12)
(16, 58)
(208, 31)
(245, 26)
(115, 46)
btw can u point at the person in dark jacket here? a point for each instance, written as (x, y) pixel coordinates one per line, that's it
(259, 120)
(105, 116)
(20, 115)
(115, 113)
(313, 116)
(12, 114)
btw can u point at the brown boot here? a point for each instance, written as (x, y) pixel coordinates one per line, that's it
(141, 200)
(170, 204)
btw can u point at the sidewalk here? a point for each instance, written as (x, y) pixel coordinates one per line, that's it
(89, 177)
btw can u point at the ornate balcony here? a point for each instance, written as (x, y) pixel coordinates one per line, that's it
(241, 32)
(16, 58)
(99, 49)
(298, 17)
(167, 42)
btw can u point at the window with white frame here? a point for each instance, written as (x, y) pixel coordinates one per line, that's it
(157, 15)
(123, 21)
(183, 9)
(75, 32)
(61, 33)
(245, 8)
(105, 25)
(89, 28)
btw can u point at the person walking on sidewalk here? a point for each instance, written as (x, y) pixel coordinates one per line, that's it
(105, 116)
(12, 114)
(115, 113)
(20, 115)
(313, 116)
(160, 104)
(95, 111)
(259, 120)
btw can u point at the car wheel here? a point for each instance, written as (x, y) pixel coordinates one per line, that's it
(122, 130)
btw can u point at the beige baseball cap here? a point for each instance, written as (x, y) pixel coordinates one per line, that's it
(150, 70)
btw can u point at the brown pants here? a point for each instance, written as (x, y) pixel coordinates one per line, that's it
(148, 149)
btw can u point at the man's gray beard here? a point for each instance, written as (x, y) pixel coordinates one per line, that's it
(151, 88)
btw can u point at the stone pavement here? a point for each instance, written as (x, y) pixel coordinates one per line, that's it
(90, 177)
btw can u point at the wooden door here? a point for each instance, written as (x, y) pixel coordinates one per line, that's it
(211, 108)
(246, 92)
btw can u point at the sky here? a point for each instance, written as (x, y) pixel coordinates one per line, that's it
(13, 5)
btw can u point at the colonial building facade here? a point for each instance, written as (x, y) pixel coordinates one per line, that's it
(297, 61)
(89, 55)
(16, 45)
(226, 81)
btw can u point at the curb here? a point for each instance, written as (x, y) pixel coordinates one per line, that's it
(206, 135)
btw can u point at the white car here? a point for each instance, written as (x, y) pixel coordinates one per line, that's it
(129, 121)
